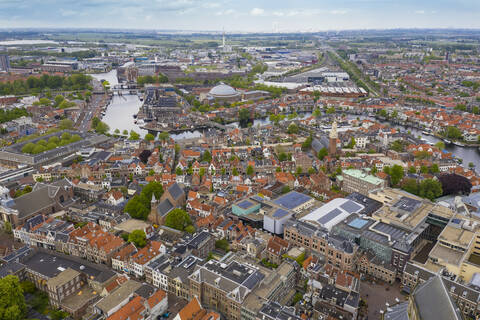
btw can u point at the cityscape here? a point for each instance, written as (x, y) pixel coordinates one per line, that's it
(248, 161)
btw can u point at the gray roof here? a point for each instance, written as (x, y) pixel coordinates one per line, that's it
(164, 207)
(176, 191)
(434, 302)
(397, 312)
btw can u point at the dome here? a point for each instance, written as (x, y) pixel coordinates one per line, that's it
(223, 90)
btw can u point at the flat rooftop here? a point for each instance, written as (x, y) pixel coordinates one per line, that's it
(448, 255)
(292, 200)
(51, 265)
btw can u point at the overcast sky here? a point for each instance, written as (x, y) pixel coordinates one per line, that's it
(241, 15)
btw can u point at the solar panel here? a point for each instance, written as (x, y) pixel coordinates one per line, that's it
(292, 200)
(329, 216)
(350, 206)
(245, 204)
(280, 213)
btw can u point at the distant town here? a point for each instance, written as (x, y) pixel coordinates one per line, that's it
(208, 176)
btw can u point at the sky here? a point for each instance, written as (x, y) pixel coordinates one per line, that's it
(240, 15)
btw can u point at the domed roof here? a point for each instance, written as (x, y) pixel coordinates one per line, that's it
(223, 90)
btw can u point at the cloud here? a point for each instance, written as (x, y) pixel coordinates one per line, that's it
(225, 12)
(257, 12)
(420, 12)
(211, 5)
(338, 12)
(278, 13)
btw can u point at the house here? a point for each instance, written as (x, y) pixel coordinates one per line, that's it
(114, 197)
(194, 311)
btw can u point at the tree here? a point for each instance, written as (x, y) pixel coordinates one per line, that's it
(322, 153)
(235, 171)
(178, 219)
(398, 145)
(138, 238)
(136, 208)
(152, 188)
(285, 189)
(149, 137)
(440, 145)
(434, 168)
(125, 132)
(207, 157)
(7, 226)
(144, 155)
(430, 189)
(12, 301)
(292, 128)
(179, 171)
(395, 172)
(250, 170)
(307, 144)
(412, 169)
(222, 244)
(102, 128)
(243, 115)
(117, 131)
(452, 132)
(455, 184)
(58, 99)
(65, 124)
(163, 136)
(133, 135)
(95, 122)
(352, 143)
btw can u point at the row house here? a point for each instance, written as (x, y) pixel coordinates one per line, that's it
(133, 261)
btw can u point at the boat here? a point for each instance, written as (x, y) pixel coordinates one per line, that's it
(140, 122)
(447, 141)
(426, 132)
(458, 144)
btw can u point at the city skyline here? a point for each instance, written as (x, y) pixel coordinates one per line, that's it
(247, 16)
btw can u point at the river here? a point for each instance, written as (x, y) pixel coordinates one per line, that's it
(466, 154)
(119, 115)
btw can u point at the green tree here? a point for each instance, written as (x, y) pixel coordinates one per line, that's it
(12, 301)
(7, 226)
(330, 110)
(222, 244)
(136, 208)
(133, 135)
(149, 137)
(352, 143)
(178, 171)
(434, 168)
(117, 131)
(250, 170)
(412, 169)
(285, 189)
(125, 132)
(244, 115)
(430, 189)
(235, 171)
(58, 99)
(65, 124)
(207, 156)
(440, 145)
(452, 132)
(163, 136)
(102, 128)
(178, 219)
(292, 128)
(322, 153)
(395, 172)
(138, 238)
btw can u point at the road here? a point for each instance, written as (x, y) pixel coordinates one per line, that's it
(92, 109)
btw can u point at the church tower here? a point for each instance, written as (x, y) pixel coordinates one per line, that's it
(153, 216)
(332, 144)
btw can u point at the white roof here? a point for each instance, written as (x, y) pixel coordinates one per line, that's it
(333, 212)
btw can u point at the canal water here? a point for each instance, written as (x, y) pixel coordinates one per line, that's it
(121, 109)
(466, 154)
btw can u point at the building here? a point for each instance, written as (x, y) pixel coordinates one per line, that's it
(333, 137)
(224, 285)
(338, 250)
(194, 311)
(141, 308)
(333, 212)
(4, 63)
(433, 293)
(221, 93)
(44, 199)
(355, 180)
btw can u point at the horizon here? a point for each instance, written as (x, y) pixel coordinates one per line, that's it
(246, 17)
